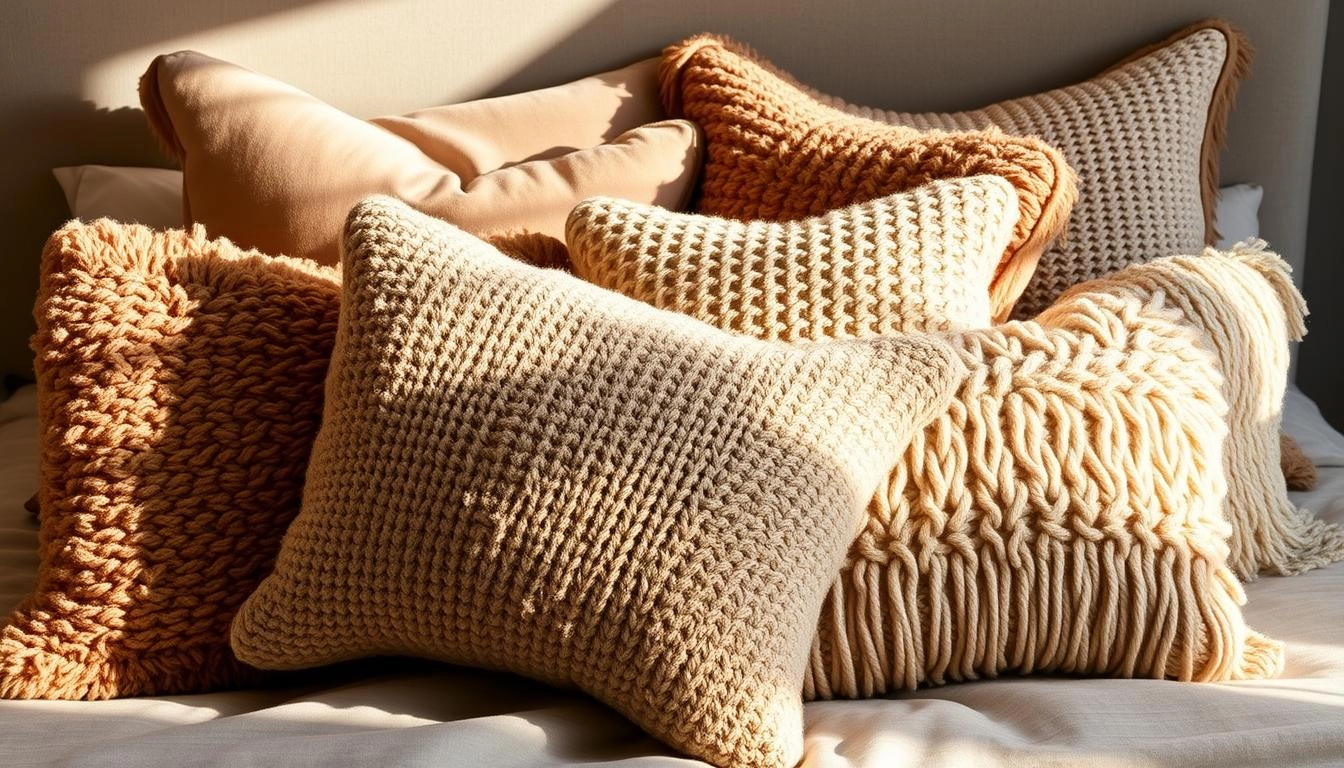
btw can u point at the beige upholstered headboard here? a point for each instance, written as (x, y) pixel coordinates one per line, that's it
(67, 94)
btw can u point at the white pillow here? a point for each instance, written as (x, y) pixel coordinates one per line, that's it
(1237, 217)
(149, 196)
(1303, 422)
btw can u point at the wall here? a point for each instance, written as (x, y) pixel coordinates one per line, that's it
(1320, 370)
(68, 70)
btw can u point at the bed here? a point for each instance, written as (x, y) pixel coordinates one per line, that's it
(419, 713)
(402, 711)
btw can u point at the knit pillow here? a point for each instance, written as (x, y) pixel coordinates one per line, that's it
(776, 150)
(521, 471)
(1247, 308)
(1070, 512)
(180, 388)
(1143, 136)
(915, 260)
(274, 168)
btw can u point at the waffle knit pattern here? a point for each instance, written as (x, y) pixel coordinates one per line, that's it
(914, 260)
(775, 150)
(521, 471)
(1144, 138)
(180, 388)
(1248, 309)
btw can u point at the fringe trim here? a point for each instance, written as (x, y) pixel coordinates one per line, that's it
(1110, 608)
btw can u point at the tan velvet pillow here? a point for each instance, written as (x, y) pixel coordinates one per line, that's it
(273, 168)
(912, 261)
(179, 391)
(775, 150)
(1144, 138)
(521, 471)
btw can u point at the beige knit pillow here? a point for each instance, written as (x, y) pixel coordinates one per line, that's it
(1143, 138)
(911, 261)
(521, 471)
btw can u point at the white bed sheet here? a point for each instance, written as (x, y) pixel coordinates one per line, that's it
(410, 713)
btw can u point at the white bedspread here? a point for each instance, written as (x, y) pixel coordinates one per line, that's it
(410, 713)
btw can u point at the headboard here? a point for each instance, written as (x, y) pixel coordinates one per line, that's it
(71, 70)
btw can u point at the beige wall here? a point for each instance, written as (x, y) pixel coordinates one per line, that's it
(68, 70)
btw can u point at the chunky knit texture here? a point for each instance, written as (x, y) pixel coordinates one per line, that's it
(1144, 138)
(1247, 308)
(913, 261)
(1067, 513)
(522, 471)
(1070, 511)
(776, 150)
(180, 388)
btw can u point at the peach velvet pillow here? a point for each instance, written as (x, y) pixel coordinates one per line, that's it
(776, 150)
(518, 470)
(274, 168)
(180, 388)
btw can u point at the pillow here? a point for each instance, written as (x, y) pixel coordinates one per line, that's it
(1238, 214)
(521, 471)
(923, 258)
(1070, 511)
(774, 150)
(1298, 472)
(149, 196)
(1143, 136)
(1066, 513)
(180, 388)
(273, 168)
(1302, 420)
(1269, 534)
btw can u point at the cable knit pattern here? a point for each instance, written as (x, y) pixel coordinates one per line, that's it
(1067, 513)
(1144, 137)
(180, 388)
(521, 471)
(774, 150)
(911, 261)
(1248, 308)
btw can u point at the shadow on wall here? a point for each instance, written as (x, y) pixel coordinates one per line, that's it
(49, 54)
(46, 121)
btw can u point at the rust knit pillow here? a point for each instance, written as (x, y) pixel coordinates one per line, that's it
(913, 261)
(276, 169)
(180, 388)
(776, 150)
(522, 471)
(1143, 137)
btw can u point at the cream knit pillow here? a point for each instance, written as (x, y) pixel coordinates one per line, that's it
(911, 261)
(1070, 511)
(521, 471)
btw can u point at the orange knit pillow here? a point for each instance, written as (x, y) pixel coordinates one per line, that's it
(180, 388)
(1143, 136)
(774, 150)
